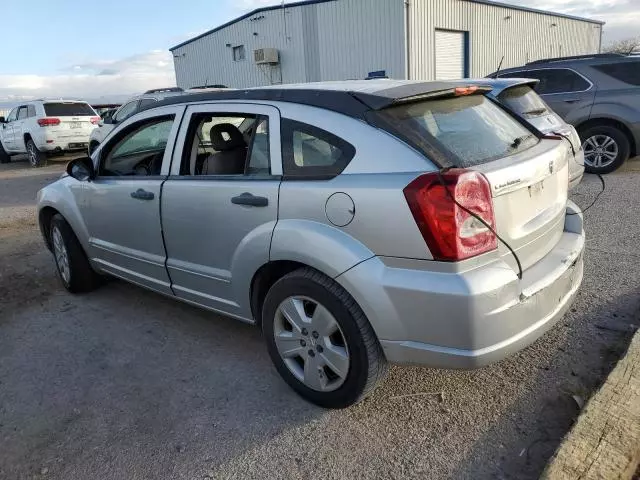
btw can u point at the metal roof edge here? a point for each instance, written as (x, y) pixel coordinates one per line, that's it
(535, 10)
(247, 15)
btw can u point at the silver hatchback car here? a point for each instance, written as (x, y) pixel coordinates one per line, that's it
(358, 223)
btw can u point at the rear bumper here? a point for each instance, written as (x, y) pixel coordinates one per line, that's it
(472, 318)
(51, 143)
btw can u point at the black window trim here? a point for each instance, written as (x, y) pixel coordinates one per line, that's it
(122, 134)
(290, 171)
(552, 68)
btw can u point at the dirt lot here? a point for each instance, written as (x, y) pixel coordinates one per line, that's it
(125, 384)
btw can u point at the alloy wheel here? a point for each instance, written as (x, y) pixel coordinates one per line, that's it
(61, 255)
(33, 155)
(311, 343)
(600, 151)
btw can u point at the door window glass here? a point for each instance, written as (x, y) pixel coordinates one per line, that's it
(125, 111)
(140, 151)
(13, 114)
(31, 111)
(22, 113)
(226, 144)
(553, 80)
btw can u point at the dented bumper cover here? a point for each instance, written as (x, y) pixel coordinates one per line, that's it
(471, 318)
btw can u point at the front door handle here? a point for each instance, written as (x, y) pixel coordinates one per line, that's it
(248, 199)
(141, 194)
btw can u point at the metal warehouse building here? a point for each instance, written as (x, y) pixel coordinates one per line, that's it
(320, 40)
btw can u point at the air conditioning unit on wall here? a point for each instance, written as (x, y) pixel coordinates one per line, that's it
(266, 55)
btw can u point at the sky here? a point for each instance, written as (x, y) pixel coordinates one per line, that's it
(120, 47)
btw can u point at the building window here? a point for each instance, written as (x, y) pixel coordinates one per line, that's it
(238, 53)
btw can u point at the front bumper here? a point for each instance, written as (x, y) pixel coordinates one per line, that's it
(471, 318)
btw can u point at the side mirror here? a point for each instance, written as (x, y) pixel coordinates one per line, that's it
(109, 121)
(3, 120)
(81, 169)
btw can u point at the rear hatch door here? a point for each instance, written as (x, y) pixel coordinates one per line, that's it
(77, 119)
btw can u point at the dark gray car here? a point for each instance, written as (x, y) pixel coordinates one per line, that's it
(599, 95)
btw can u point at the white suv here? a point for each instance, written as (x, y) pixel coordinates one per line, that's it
(42, 127)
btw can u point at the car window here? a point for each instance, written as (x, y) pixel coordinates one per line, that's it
(627, 72)
(126, 111)
(146, 102)
(226, 144)
(308, 151)
(68, 109)
(31, 111)
(553, 80)
(467, 131)
(13, 114)
(22, 113)
(524, 101)
(139, 151)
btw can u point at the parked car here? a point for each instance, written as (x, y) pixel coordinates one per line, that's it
(599, 95)
(126, 110)
(43, 127)
(519, 96)
(357, 223)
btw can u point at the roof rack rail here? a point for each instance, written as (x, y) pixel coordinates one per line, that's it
(164, 90)
(577, 57)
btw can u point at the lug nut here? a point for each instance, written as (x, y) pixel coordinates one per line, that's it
(305, 331)
(303, 343)
(312, 353)
(315, 334)
(319, 348)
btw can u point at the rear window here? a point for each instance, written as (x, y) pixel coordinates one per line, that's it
(524, 101)
(462, 131)
(68, 109)
(627, 72)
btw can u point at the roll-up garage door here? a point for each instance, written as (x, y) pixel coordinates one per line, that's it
(450, 55)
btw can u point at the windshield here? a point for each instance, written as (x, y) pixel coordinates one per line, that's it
(466, 131)
(68, 109)
(524, 101)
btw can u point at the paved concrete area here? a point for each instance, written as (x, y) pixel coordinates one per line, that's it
(124, 383)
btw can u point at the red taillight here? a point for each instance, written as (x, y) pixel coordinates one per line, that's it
(48, 121)
(95, 120)
(451, 233)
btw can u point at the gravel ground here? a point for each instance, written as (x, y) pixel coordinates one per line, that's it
(125, 384)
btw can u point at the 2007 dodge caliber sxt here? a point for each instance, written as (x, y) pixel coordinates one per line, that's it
(357, 223)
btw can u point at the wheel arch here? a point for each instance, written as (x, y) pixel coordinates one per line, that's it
(44, 221)
(611, 122)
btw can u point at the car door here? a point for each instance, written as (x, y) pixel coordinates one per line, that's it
(7, 130)
(124, 198)
(19, 129)
(220, 203)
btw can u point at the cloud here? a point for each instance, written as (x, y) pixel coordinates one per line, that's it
(93, 79)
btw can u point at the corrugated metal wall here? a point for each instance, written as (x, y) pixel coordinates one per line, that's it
(346, 39)
(520, 36)
(208, 59)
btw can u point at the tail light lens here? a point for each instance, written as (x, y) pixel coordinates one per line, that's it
(95, 120)
(48, 121)
(451, 233)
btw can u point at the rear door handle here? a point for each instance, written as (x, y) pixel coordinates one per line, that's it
(572, 100)
(248, 199)
(141, 194)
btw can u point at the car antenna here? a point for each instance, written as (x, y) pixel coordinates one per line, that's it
(495, 75)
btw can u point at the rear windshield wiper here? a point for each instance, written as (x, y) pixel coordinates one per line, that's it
(536, 111)
(520, 140)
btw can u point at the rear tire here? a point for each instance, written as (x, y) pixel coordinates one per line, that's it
(605, 147)
(4, 156)
(36, 157)
(74, 269)
(334, 361)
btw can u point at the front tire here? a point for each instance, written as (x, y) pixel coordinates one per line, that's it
(36, 157)
(4, 156)
(605, 148)
(320, 341)
(72, 264)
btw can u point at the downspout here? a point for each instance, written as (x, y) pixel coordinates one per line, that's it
(407, 40)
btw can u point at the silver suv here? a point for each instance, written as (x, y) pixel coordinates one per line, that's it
(357, 223)
(600, 96)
